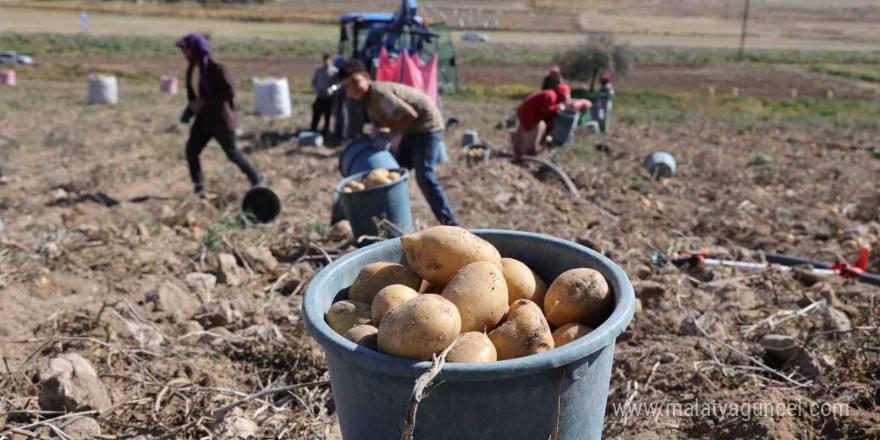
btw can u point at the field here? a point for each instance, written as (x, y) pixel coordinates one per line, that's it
(758, 172)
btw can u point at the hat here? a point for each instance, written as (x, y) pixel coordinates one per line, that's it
(563, 91)
(555, 71)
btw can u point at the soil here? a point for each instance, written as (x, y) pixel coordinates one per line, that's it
(79, 282)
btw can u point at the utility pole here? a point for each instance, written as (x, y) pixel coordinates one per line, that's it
(742, 38)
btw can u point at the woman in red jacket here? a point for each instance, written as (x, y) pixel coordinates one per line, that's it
(536, 115)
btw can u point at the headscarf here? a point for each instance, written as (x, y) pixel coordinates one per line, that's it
(605, 78)
(563, 91)
(554, 71)
(198, 44)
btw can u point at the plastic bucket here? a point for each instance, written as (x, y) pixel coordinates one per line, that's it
(566, 122)
(512, 399)
(660, 164)
(7, 77)
(168, 84)
(261, 205)
(481, 159)
(470, 137)
(360, 156)
(309, 139)
(389, 201)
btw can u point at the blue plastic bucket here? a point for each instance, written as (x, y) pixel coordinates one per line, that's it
(660, 164)
(360, 156)
(389, 201)
(310, 138)
(477, 160)
(511, 399)
(566, 122)
(470, 137)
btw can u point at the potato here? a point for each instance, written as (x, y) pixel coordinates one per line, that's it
(347, 189)
(569, 332)
(375, 277)
(437, 253)
(358, 186)
(480, 293)
(524, 333)
(371, 182)
(352, 184)
(472, 347)
(389, 298)
(420, 327)
(393, 175)
(364, 335)
(522, 282)
(578, 295)
(343, 315)
(376, 177)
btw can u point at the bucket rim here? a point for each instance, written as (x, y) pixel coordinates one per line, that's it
(657, 154)
(601, 337)
(404, 177)
(261, 188)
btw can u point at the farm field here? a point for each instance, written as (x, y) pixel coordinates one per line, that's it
(762, 171)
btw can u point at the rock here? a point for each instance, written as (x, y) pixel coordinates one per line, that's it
(668, 357)
(83, 428)
(168, 298)
(69, 383)
(143, 232)
(260, 259)
(804, 274)
(52, 250)
(202, 284)
(217, 314)
(649, 289)
(784, 348)
(836, 320)
(638, 310)
(228, 271)
(239, 427)
(189, 332)
(341, 230)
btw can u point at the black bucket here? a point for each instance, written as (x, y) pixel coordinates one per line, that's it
(261, 205)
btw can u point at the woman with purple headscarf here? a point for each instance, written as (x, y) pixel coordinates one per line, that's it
(214, 109)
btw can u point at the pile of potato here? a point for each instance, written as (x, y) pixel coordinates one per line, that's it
(377, 177)
(458, 283)
(476, 152)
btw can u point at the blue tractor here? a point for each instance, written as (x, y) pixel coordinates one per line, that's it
(362, 37)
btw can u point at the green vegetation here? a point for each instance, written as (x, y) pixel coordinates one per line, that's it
(859, 72)
(214, 238)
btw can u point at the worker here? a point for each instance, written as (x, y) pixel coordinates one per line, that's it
(323, 84)
(536, 115)
(213, 106)
(401, 109)
(553, 79)
(602, 111)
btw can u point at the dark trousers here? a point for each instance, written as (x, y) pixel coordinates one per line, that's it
(420, 151)
(199, 136)
(322, 107)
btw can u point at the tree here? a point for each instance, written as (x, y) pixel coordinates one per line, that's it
(586, 61)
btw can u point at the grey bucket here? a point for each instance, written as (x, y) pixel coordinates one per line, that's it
(261, 205)
(309, 139)
(389, 201)
(660, 164)
(513, 399)
(470, 137)
(360, 156)
(566, 122)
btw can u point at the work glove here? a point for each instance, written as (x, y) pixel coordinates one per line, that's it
(186, 116)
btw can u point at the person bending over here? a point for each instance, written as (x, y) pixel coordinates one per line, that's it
(403, 110)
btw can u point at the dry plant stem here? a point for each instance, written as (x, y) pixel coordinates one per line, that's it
(220, 413)
(422, 382)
